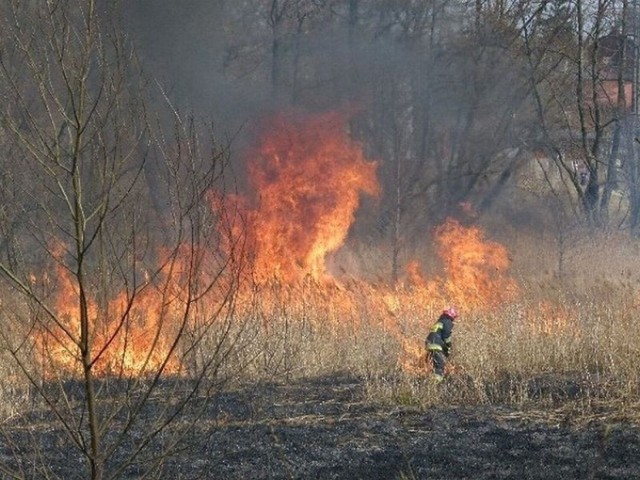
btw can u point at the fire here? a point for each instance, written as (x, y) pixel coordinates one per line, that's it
(552, 320)
(307, 176)
(476, 269)
(475, 278)
(131, 334)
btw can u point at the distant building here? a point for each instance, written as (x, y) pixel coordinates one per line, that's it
(615, 54)
(615, 64)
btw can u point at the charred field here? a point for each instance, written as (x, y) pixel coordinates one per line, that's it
(324, 428)
(329, 427)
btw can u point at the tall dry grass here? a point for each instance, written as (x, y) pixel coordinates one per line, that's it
(567, 341)
(566, 353)
(558, 345)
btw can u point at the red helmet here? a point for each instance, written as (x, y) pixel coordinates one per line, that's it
(450, 312)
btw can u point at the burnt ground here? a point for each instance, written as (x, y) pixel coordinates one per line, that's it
(324, 428)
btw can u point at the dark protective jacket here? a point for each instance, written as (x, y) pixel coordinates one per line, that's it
(439, 338)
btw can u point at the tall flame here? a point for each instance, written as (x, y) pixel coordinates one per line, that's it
(476, 268)
(132, 334)
(475, 277)
(307, 175)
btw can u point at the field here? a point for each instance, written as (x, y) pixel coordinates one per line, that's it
(326, 429)
(333, 384)
(331, 428)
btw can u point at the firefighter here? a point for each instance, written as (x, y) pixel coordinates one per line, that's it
(438, 342)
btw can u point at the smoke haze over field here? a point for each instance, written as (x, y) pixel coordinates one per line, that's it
(183, 44)
(442, 97)
(218, 57)
(403, 68)
(290, 189)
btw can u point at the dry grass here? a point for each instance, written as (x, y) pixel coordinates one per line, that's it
(569, 350)
(568, 345)
(563, 356)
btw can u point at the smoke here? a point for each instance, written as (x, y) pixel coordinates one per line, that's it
(183, 46)
(216, 58)
(434, 108)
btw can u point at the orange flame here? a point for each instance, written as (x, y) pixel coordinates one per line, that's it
(132, 334)
(548, 319)
(476, 268)
(306, 178)
(307, 175)
(475, 277)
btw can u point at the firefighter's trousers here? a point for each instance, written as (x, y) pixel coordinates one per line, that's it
(438, 360)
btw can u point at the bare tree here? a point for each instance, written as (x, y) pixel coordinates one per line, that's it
(588, 134)
(446, 110)
(112, 297)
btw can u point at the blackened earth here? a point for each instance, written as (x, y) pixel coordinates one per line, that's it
(324, 428)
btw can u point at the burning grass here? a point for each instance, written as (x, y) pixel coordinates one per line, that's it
(574, 355)
(561, 360)
(287, 317)
(580, 359)
(565, 352)
(583, 362)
